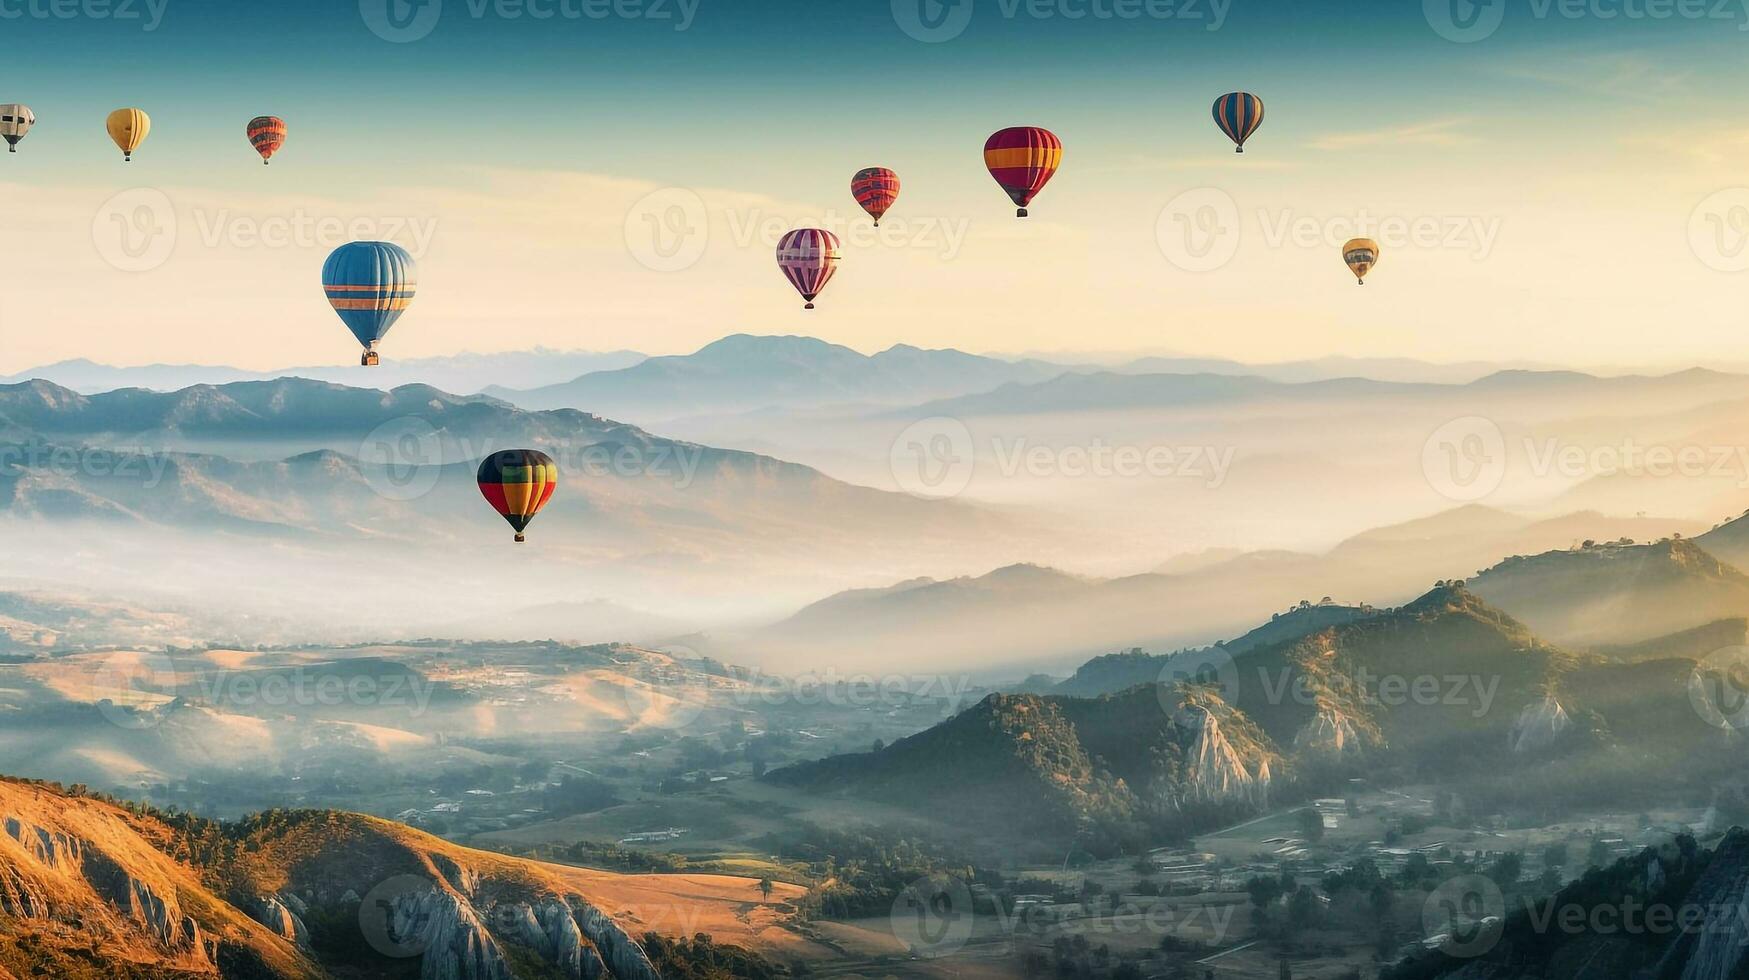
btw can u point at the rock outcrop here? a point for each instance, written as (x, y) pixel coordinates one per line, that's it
(1539, 725)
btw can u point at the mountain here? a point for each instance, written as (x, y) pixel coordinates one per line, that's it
(1616, 593)
(742, 373)
(91, 888)
(460, 372)
(1049, 764)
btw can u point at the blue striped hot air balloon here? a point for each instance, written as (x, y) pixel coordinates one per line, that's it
(1238, 114)
(370, 284)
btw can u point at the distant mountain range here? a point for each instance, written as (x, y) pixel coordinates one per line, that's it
(465, 373)
(743, 373)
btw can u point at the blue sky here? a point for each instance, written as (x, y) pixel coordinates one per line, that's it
(1583, 137)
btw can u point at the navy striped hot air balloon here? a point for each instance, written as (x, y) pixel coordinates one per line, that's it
(1239, 114)
(370, 285)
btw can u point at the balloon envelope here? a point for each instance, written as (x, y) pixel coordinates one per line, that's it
(1239, 114)
(15, 121)
(875, 188)
(808, 258)
(1023, 159)
(267, 135)
(370, 284)
(518, 483)
(1361, 254)
(128, 128)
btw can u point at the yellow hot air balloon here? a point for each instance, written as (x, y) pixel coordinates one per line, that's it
(1361, 254)
(128, 127)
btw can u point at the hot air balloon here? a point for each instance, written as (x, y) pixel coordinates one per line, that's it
(1023, 159)
(875, 188)
(267, 135)
(1239, 114)
(1361, 254)
(370, 284)
(518, 483)
(15, 121)
(128, 127)
(808, 258)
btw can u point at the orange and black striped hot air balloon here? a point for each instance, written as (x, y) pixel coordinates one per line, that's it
(518, 483)
(1023, 159)
(267, 135)
(1239, 114)
(875, 188)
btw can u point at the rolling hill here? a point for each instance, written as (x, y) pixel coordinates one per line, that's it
(90, 888)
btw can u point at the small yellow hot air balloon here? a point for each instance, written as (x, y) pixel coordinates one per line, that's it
(1361, 254)
(128, 127)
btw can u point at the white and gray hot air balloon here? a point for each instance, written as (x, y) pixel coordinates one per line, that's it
(15, 121)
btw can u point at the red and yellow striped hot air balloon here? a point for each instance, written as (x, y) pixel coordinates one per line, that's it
(875, 188)
(1239, 114)
(1023, 159)
(267, 135)
(808, 258)
(518, 483)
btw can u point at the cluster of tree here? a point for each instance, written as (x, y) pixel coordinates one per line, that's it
(862, 871)
(699, 958)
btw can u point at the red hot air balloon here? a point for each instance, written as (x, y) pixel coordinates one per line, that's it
(875, 188)
(808, 258)
(1023, 159)
(267, 135)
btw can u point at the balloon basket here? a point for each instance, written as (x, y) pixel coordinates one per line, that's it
(1238, 149)
(808, 307)
(1020, 212)
(520, 539)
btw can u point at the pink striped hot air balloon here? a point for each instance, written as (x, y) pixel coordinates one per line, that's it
(808, 258)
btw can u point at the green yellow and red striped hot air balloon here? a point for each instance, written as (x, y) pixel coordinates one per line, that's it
(875, 188)
(1239, 114)
(518, 483)
(267, 135)
(1023, 159)
(1361, 254)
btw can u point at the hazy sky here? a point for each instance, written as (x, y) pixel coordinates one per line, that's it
(1568, 188)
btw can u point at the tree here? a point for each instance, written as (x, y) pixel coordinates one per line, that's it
(1311, 824)
(765, 887)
